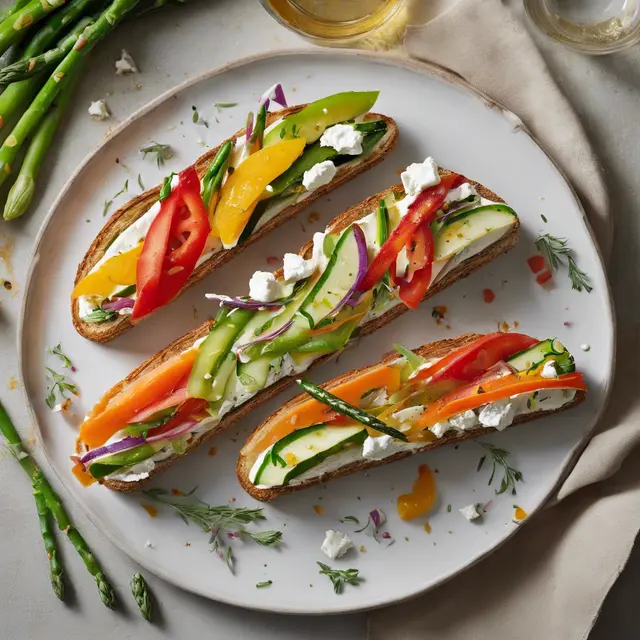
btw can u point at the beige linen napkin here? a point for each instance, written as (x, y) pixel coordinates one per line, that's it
(550, 580)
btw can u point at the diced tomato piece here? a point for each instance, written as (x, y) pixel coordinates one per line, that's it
(536, 263)
(488, 295)
(545, 276)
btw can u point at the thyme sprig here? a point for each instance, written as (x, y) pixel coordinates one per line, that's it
(161, 151)
(220, 521)
(340, 577)
(558, 253)
(499, 459)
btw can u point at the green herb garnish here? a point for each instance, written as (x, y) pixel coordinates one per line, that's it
(340, 577)
(58, 386)
(196, 119)
(224, 105)
(100, 315)
(57, 351)
(161, 151)
(140, 182)
(165, 191)
(415, 361)
(349, 519)
(499, 458)
(108, 203)
(262, 585)
(557, 252)
(218, 521)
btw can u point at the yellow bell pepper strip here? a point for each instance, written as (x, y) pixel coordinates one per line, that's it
(119, 270)
(312, 412)
(123, 407)
(474, 395)
(242, 190)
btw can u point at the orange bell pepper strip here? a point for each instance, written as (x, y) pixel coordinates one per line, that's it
(123, 407)
(474, 395)
(312, 412)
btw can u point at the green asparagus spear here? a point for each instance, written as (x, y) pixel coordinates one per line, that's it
(24, 188)
(49, 543)
(11, 9)
(15, 27)
(140, 591)
(212, 180)
(47, 35)
(28, 67)
(56, 507)
(52, 87)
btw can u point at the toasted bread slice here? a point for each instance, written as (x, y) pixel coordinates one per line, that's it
(138, 206)
(358, 211)
(434, 350)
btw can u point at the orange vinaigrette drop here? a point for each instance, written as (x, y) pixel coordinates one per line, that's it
(422, 496)
(519, 514)
(427, 527)
(152, 511)
(318, 509)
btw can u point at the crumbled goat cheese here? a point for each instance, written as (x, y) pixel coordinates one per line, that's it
(440, 428)
(297, 268)
(336, 544)
(125, 64)
(376, 398)
(419, 176)
(464, 421)
(499, 414)
(264, 287)
(410, 414)
(549, 369)
(470, 512)
(343, 138)
(98, 110)
(380, 447)
(462, 192)
(319, 175)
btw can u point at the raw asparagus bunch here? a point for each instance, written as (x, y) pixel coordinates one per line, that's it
(49, 502)
(42, 44)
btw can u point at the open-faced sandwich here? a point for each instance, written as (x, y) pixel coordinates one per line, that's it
(170, 237)
(374, 262)
(441, 393)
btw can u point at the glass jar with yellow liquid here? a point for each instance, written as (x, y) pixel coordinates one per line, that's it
(333, 22)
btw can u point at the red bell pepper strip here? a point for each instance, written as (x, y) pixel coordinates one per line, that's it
(172, 246)
(412, 292)
(479, 356)
(474, 395)
(190, 409)
(422, 209)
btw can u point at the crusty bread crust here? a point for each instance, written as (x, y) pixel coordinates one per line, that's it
(434, 350)
(358, 211)
(138, 206)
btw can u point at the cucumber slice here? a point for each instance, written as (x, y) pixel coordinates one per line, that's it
(104, 466)
(253, 375)
(547, 349)
(219, 380)
(309, 123)
(332, 286)
(304, 449)
(459, 231)
(213, 352)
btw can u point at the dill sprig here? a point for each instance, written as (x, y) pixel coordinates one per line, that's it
(161, 151)
(558, 253)
(340, 577)
(218, 521)
(58, 386)
(499, 459)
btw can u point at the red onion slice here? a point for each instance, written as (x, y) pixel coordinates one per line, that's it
(263, 338)
(119, 303)
(275, 93)
(240, 303)
(116, 447)
(173, 433)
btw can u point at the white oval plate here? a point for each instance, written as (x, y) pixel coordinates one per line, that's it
(439, 116)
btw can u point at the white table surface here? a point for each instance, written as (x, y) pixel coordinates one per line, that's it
(170, 46)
